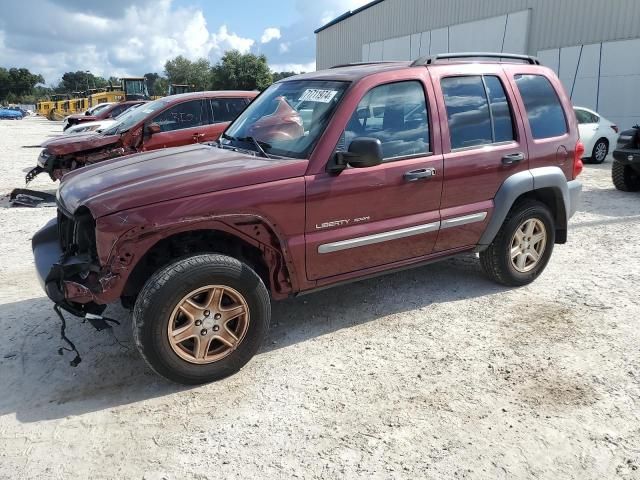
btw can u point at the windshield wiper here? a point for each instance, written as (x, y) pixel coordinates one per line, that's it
(259, 144)
(228, 137)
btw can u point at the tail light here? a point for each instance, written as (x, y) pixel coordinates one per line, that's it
(615, 128)
(577, 159)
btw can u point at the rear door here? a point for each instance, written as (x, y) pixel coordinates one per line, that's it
(483, 145)
(180, 124)
(368, 217)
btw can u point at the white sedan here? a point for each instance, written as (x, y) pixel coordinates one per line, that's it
(598, 134)
(89, 127)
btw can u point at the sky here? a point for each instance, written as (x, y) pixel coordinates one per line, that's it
(134, 37)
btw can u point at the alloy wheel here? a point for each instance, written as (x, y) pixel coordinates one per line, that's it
(528, 244)
(208, 324)
(600, 152)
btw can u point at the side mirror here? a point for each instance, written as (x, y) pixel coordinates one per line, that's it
(87, 113)
(152, 129)
(363, 152)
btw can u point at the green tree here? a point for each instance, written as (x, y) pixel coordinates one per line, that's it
(16, 83)
(280, 75)
(79, 81)
(181, 70)
(237, 71)
(160, 87)
(152, 78)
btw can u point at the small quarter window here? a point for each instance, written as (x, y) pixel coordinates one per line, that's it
(544, 110)
(500, 111)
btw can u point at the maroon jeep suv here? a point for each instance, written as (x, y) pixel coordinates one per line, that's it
(325, 178)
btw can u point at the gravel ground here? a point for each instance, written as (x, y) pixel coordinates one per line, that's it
(431, 373)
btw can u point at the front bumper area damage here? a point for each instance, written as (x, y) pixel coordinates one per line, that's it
(66, 279)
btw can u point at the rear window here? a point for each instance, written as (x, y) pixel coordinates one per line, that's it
(545, 113)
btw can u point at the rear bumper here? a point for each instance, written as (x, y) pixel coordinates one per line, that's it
(575, 190)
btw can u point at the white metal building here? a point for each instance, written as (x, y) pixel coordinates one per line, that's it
(593, 45)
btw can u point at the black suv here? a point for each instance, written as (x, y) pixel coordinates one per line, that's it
(625, 170)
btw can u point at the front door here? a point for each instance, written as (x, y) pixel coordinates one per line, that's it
(368, 217)
(181, 124)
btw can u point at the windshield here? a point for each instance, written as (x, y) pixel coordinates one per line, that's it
(133, 117)
(287, 119)
(128, 111)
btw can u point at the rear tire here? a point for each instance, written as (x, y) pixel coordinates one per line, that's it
(600, 151)
(625, 178)
(184, 323)
(528, 232)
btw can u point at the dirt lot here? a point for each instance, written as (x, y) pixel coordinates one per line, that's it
(431, 373)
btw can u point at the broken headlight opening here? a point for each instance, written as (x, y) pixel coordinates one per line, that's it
(44, 164)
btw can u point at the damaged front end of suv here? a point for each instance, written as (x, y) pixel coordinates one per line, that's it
(61, 156)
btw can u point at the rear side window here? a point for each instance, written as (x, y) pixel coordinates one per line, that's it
(585, 117)
(184, 115)
(545, 113)
(227, 109)
(477, 111)
(396, 114)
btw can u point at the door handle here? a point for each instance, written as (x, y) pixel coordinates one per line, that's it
(197, 136)
(512, 158)
(414, 175)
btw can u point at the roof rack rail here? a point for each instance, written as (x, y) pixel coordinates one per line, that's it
(358, 64)
(431, 59)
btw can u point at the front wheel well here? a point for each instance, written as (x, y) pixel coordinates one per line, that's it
(190, 243)
(552, 198)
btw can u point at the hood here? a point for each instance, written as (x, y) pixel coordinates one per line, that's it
(147, 178)
(81, 116)
(66, 144)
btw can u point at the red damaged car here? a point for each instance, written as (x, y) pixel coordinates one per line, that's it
(111, 110)
(167, 122)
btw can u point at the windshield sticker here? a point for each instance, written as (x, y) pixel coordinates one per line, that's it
(318, 95)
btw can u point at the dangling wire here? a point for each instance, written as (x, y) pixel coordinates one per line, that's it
(63, 327)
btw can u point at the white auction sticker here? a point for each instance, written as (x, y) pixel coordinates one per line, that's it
(318, 95)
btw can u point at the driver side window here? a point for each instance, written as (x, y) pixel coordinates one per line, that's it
(396, 114)
(184, 115)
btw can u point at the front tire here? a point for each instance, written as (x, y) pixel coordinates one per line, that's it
(522, 248)
(201, 318)
(625, 178)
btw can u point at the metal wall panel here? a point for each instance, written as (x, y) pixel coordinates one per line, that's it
(553, 23)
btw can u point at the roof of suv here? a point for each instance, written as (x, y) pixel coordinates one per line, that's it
(350, 73)
(356, 71)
